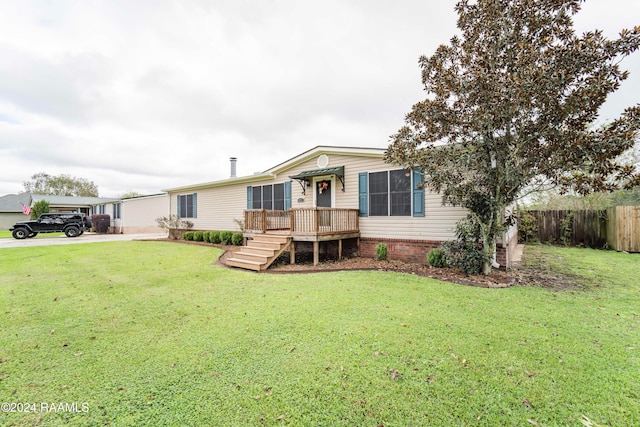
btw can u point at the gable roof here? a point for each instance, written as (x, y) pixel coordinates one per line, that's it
(71, 200)
(13, 202)
(287, 164)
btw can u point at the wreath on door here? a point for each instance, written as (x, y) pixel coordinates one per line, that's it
(322, 185)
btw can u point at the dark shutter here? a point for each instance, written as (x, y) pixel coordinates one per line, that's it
(287, 195)
(418, 193)
(363, 193)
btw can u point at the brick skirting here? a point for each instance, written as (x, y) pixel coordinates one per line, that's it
(416, 250)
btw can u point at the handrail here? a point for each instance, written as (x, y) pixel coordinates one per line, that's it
(303, 220)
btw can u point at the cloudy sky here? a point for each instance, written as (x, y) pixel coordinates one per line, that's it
(151, 94)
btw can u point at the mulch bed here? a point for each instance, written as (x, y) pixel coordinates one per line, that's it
(520, 275)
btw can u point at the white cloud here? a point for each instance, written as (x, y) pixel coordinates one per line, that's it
(145, 95)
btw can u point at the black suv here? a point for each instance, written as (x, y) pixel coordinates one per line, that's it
(73, 224)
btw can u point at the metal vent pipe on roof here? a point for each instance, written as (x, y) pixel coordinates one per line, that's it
(233, 161)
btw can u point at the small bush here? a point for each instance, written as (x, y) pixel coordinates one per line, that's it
(187, 235)
(100, 223)
(205, 236)
(382, 251)
(225, 237)
(527, 227)
(237, 239)
(214, 237)
(465, 253)
(437, 258)
(198, 236)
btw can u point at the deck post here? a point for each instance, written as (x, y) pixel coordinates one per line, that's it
(339, 249)
(316, 252)
(292, 252)
(264, 221)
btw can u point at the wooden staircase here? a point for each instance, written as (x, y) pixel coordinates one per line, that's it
(260, 252)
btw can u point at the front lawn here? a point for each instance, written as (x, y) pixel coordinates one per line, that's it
(155, 333)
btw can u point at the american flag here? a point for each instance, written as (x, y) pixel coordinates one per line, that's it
(26, 209)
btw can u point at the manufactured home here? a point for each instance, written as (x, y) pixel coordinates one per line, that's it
(333, 200)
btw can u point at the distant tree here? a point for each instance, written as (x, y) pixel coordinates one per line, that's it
(38, 208)
(60, 185)
(131, 193)
(509, 102)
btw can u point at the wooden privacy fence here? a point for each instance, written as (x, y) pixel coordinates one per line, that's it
(623, 228)
(617, 228)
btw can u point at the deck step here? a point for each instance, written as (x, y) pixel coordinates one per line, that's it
(270, 238)
(259, 252)
(264, 245)
(249, 256)
(246, 264)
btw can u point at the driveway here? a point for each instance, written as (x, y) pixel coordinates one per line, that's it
(44, 240)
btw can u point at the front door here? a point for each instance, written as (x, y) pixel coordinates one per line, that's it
(323, 200)
(323, 193)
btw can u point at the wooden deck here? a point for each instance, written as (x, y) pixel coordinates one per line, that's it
(304, 225)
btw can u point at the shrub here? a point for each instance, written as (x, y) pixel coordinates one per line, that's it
(237, 239)
(100, 223)
(225, 237)
(465, 253)
(205, 236)
(381, 251)
(187, 235)
(214, 237)
(172, 224)
(198, 236)
(437, 258)
(527, 227)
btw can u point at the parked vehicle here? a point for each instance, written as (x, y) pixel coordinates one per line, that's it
(71, 223)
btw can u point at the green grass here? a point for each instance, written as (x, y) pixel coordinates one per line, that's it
(151, 333)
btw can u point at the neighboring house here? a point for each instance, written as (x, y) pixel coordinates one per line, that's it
(11, 209)
(135, 214)
(79, 204)
(11, 205)
(331, 199)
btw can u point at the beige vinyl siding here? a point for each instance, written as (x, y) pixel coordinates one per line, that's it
(219, 205)
(143, 211)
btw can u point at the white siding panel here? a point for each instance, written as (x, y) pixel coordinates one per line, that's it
(143, 211)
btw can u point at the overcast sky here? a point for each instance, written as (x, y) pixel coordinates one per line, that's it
(145, 95)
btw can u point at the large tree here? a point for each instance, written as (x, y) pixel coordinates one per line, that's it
(511, 102)
(60, 185)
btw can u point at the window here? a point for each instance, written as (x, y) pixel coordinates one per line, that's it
(390, 193)
(267, 196)
(378, 194)
(116, 210)
(257, 198)
(278, 197)
(270, 197)
(187, 205)
(400, 191)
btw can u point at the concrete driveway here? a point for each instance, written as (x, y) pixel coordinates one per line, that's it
(44, 240)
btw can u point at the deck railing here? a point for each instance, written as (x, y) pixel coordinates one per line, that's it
(302, 220)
